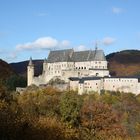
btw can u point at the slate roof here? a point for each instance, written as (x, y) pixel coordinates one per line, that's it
(99, 55)
(81, 80)
(60, 56)
(80, 56)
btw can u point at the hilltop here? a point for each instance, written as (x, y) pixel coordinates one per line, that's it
(21, 67)
(5, 70)
(123, 63)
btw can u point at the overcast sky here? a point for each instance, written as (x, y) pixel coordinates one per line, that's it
(33, 27)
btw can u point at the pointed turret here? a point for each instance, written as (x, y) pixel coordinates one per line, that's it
(96, 46)
(30, 62)
(45, 60)
(30, 72)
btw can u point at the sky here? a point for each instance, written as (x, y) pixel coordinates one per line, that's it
(31, 28)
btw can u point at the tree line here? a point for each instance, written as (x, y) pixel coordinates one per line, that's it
(50, 114)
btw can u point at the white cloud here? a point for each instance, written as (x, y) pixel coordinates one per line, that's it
(12, 55)
(117, 10)
(65, 43)
(42, 14)
(108, 41)
(81, 48)
(43, 43)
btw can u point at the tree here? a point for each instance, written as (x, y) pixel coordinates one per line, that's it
(15, 81)
(70, 106)
(99, 120)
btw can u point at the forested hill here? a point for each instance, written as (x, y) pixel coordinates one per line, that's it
(21, 67)
(5, 70)
(124, 63)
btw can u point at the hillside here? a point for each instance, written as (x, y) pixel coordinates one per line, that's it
(21, 67)
(124, 63)
(5, 70)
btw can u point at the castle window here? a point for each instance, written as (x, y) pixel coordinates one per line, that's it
(97, 74)
(84, 67)
(81, 67)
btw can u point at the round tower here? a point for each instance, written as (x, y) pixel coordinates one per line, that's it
(30, 72)
(44, 65)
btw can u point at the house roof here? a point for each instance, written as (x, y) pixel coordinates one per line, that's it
(90, 55)
(60, 56)
(80, 56)
(81, 80)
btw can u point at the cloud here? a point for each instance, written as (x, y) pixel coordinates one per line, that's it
(8, 55)
(42, 14)
(65, 43)
(43, 43)
(81, 48)
(117, 10)
(12, 55)
(108, 41)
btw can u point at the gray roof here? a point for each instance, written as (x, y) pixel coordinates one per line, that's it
(99, 55)
(70, 56)
(96, 55)
(81, 80)
(30, 62)
(60, 56)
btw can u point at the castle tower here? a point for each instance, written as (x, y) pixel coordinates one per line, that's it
(44, 65)
(30, 72)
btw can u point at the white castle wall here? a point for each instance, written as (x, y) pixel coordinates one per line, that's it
(64, 70)
(99, 64)
(89, 85)
(74, 85)
(111, 84)
(122, 85)
(91, 64)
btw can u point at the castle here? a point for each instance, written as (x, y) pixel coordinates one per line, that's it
(84, 71)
